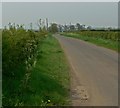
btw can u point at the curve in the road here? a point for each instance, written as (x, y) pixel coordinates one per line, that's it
(95, 73)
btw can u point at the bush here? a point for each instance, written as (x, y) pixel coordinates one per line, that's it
(18, 47)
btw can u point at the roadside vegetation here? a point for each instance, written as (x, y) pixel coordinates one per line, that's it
(34, 69)
(108, 39)
(0, 67)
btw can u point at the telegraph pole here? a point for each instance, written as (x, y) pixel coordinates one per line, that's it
(47, 23)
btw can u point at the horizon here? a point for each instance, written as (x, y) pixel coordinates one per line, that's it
(89, 14)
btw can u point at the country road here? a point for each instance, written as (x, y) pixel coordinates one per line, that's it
(94, 76)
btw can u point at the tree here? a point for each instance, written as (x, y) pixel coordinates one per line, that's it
(53, 28)
(60, 28)
(89, 28)
(78, 26)
(65, 28)
(10, 25)
(72, 28)
(83, 27)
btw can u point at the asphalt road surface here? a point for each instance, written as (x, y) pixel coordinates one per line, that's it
(94, 76)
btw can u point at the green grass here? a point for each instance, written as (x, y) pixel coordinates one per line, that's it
(0, 67)
(50, 77)
(0, 40)
(107, 43)
(12, 88)
(49, 82)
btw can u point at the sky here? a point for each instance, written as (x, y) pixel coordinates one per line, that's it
(96, 14)
(0, 14)
(60, 0)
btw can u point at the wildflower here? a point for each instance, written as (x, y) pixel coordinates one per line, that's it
(48, 100)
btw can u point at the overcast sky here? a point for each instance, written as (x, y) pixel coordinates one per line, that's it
(98, 14)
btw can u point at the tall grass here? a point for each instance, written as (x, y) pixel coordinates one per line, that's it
(0, 67)
(19, 52)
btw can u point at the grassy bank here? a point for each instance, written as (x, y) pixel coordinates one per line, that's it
(48, 83)
(50, 77)
(0, 67)
(98, 40)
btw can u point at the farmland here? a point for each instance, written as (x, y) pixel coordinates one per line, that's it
(108, 39)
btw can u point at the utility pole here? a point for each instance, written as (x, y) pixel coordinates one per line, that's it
(9, 24)
(43, 24)
(47, 23)
(14, 26)
(39, 24)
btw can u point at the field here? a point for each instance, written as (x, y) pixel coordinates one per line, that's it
(108, 39)
(35, 70)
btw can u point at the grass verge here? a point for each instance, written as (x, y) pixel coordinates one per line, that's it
(107, 43)
(49, 80)
(0, 68)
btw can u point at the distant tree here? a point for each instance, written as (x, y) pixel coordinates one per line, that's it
(17, 26)
(78, 26)
(65, 28)
(83, 27)
(109, 28)
(10, 25)
(89, 28)
(53, 28)
(60, 28)
(72, 28)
